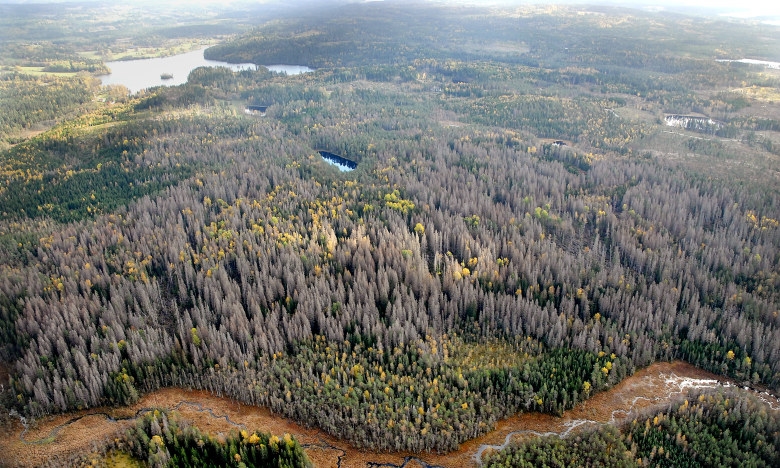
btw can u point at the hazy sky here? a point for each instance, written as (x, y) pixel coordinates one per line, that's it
(741, 8)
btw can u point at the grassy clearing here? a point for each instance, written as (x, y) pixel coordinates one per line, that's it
(38, 71)
(492, 354)
(121, 460)
(760, 93)
(167, 50)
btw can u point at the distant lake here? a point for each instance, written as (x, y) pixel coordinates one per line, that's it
(145, 73)
(289, 69)
(755, 62)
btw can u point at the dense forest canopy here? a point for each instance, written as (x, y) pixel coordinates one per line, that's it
(400, 32)
(708, 429)
(164, 439)
(522, 228)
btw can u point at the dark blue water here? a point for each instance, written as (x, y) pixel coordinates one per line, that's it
(344, 164)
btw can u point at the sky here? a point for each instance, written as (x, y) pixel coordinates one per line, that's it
(734, 8)
(738, 9)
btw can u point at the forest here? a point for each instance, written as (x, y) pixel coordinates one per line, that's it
(163, 439)
(522, 230)
(722, 428)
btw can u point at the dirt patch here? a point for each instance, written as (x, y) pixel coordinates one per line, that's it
(74, 433)
(24, 135)
(5, 372)
(450, 123)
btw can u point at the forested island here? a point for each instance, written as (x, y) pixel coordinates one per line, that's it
(522, 229)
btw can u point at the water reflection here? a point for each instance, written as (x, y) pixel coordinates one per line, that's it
(164, 71)
(289, 69)
(174, 70)
(344, 164)
(775, 65)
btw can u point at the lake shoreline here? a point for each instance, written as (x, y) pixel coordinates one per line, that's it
(145, 73)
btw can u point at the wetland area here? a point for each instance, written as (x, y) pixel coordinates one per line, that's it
(73, 433)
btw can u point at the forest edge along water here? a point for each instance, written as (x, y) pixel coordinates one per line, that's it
(344, 164)
(174, 70)
(68, 434)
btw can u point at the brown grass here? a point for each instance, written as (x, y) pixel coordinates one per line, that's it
(648, 384)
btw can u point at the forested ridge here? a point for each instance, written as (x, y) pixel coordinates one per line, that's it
(469, 268)
(27, 101)
(543, 36)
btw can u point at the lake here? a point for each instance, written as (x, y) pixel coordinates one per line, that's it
(145, 73)
(344, 164)
(289, 69)
(755, 62)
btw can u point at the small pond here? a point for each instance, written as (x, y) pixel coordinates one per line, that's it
(252, 109)
(693, 122)
(344, 164)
